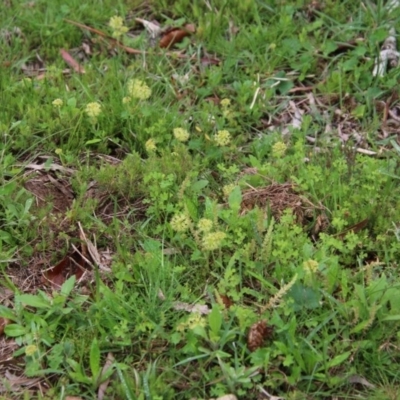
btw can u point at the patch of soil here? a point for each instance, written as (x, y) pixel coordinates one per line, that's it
(279, 197)
(49, 190)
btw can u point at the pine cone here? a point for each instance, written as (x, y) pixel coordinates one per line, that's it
(257, 334)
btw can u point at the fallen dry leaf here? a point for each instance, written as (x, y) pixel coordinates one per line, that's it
(192, 308)
(17, 381)
(45, 167)
(3, 323)
(227, 301)
(354, 228)
(92, 249)
(71, 264)
(152, 28)
(175, 35)
(71, 62)
(362, 381)
(103, 387)
(227, 397)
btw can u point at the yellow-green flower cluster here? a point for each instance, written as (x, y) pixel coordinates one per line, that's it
(205, 225)
(138, 89)
(57, 103)
(222, 138)
(227, 189)
(93, 110)
(126, 100)
(193, 321)
(310, 266)
(30, 350)
(225, 104)
(213, 241)
(180, 222)
(181, 134)
(150, 145)
(279, 149)
(116, 23)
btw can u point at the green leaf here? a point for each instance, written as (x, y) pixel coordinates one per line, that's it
(93, 141)
(235, 199)
(68, 285)
(95, 358)
(71, 102)
(339, 359)
(199, 185)
(304, 297)
(33, 300)
(215, 320)
(14, 330)
(391, 318)
(192, 208)
(5, 312)
(285, 86)
(360, 327)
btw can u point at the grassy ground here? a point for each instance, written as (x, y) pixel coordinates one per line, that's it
(218, 217)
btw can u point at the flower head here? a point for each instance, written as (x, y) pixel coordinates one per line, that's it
(180, 222)
(30, 350)
(57, 103)
(225, 103)
(222, 138)
(213, 241)
(150, 145)
(205, 225)
(181, 134)
(138, 89)
(310, 266)
(93, 110)
(279, 149)
(227, 189)
(126, 100)
(193, 321)
(116, 23)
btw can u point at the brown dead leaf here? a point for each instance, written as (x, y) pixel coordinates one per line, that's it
(103, 387)
(3, 323)
(17, 381)
(354, 228)
(207, 61)
(72, 264)
(71, 62)
(175, 35)
(226, 301)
